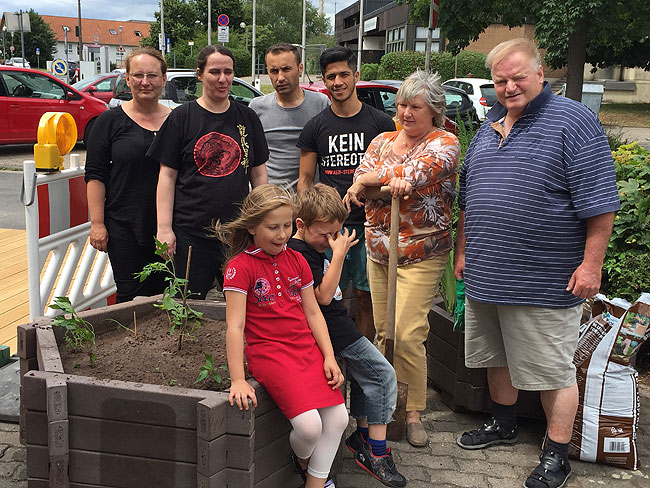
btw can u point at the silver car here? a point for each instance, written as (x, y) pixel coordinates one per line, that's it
(183, 86)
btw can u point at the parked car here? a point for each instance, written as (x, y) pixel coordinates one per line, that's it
(100, 86)
(26, 94)
(457, 103)
(183, 86)
(480, 91)
(18, 62)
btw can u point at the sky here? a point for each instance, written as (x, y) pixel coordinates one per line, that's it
(118, 9)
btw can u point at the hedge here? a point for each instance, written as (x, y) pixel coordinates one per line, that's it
(398, 65)
(369, 71)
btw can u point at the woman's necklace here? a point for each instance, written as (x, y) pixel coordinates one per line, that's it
(405, 144)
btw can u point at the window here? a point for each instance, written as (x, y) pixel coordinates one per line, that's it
(401, 33)
(32, 85)
(241, 93)
(421, 32)
(105, 85)
(113, 32)
(138, 33)
(394, 40)
(388, 99)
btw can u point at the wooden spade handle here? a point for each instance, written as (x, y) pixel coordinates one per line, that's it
(392, 279)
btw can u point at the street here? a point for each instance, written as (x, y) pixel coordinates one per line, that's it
(12, 215)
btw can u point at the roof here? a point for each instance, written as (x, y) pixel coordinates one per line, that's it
(96, 31)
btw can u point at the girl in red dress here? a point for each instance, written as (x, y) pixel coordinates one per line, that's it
(270, 301)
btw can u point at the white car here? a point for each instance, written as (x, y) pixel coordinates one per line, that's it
(479, 90)
(18, 63)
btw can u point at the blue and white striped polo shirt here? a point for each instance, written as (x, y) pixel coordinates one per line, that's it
(526, 201)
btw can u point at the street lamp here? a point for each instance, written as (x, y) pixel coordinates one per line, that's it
(65, 43)
(243, 26)
(4, 42)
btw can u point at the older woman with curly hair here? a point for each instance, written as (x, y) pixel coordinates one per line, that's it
(419, 164)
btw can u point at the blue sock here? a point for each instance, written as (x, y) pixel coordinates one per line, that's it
(364, 432)
(378, 447)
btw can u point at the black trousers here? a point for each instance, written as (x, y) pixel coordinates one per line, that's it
(128, 257)
(205, 266)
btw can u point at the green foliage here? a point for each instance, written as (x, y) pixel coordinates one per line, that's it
(368, 71)
(470, 62)
(180, 315)
(626, 270)
(208, 371)
(399, 65)
(79, 333)
(615, 138)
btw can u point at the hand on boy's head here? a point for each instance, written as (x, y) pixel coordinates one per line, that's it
(341, 242)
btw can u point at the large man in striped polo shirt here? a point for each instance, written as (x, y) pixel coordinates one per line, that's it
(537, 198)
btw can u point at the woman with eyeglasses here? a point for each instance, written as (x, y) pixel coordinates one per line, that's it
(209, 151)
(121, 179)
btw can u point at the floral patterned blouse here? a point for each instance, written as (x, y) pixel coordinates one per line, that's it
(425, 218)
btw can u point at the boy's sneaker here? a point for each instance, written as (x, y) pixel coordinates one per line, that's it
(355, 441)
(552, 472)
(489, 434)
(330, 483)
(381, 467)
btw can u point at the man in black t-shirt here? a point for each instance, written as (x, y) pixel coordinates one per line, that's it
(334, 142)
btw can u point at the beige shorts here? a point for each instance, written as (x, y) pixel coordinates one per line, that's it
(537, 344)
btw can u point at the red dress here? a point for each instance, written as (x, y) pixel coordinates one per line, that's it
(281, 352)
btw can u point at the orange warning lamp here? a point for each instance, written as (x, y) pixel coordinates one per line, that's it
(57, 135)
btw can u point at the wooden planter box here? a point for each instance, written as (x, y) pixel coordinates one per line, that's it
(462, 388)
(83, 432)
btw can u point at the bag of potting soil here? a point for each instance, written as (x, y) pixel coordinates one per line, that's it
(606, 423)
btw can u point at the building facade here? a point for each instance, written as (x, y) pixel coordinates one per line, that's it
(387, 28)
(116, 38)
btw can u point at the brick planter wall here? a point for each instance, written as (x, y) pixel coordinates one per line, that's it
(82, 432)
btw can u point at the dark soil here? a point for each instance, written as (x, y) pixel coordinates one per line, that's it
(151, 356)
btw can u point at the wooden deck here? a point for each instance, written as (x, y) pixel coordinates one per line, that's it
(14, 297)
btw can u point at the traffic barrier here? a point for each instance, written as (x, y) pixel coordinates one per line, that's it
(57, 225)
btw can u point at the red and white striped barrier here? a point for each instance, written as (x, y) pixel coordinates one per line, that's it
(57, 224)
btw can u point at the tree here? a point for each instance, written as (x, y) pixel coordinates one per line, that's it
(180, 23)
(41, 36)
(602, 33)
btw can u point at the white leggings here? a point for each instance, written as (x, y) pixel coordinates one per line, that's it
(316, 436)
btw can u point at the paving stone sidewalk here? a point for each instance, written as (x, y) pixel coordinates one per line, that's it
(442, 464)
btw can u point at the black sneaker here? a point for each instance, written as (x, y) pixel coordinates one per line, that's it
(489, 434)
(553, 471)
(355, 441)
(381, 467)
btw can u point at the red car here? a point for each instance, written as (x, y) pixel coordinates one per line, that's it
(375, 94)
(26, 94)
(100, 86)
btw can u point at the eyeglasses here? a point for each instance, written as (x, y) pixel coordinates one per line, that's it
(150, 76)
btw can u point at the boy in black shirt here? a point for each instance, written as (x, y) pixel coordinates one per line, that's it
(373, 392)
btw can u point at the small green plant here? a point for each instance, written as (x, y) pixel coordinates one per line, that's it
(180, 315)
(209, 371)
(79, 333)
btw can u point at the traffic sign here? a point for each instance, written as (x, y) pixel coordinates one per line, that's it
(223, 20)
(120, 50)
(59, 67)
(223, 33)
(38, 51)
(12, 49)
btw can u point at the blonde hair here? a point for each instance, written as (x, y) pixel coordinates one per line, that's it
(259, 202)
(149, 51)
(428, 85)
(500, 51)
(321, 203)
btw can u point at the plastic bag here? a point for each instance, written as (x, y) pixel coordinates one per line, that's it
(459, 309)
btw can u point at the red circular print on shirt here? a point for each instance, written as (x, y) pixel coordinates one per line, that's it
(216, 155)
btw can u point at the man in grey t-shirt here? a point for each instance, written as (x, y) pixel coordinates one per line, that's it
(285, 112)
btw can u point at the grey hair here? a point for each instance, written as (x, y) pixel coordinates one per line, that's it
(500, 51)
(427, 85)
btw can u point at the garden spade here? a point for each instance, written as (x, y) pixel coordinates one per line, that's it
(397, 427)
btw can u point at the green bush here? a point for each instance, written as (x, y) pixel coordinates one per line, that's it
(626, 270)
(369, 71)
(470, 62)
(398, 65)
(242, 61)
